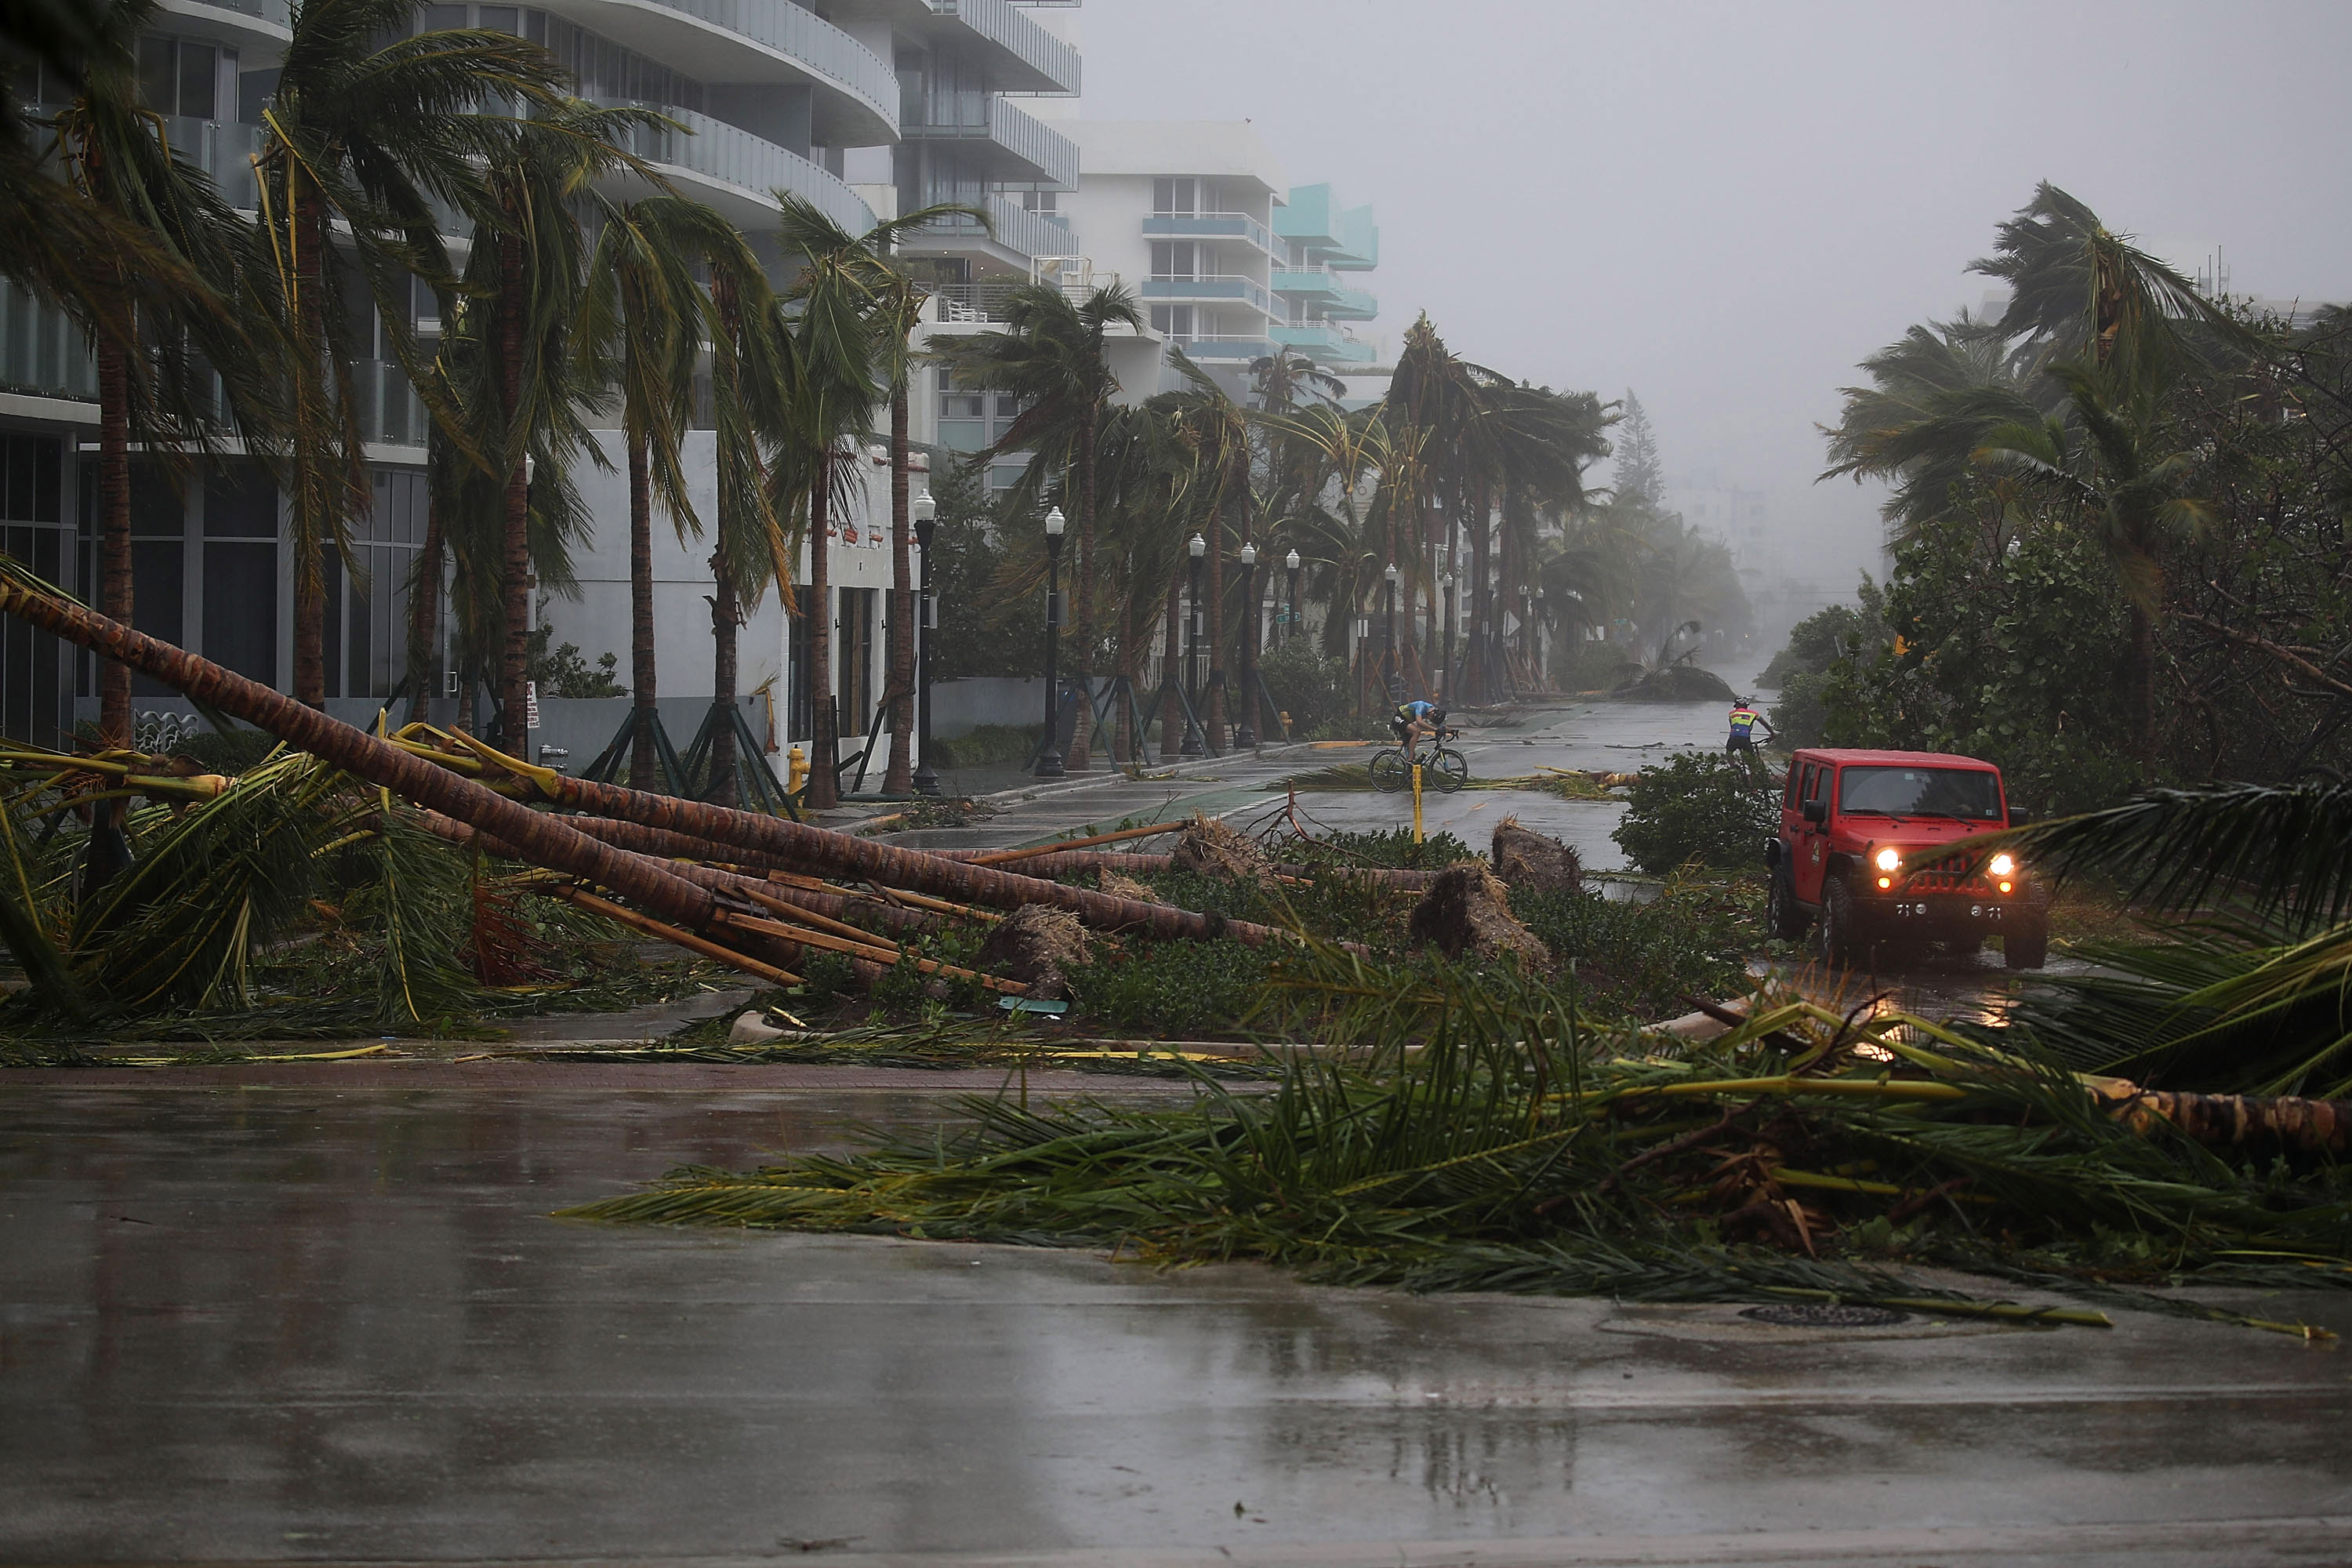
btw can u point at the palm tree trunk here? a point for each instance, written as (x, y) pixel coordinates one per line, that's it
(899, 778)
(725, 623)
(514, 676)
(313, 528)
(644, 757)
(114, 512)
(1171, 672)
(2139, 676)
(424, 615)
(1126, 741)
(824, 781)
(1081, 650)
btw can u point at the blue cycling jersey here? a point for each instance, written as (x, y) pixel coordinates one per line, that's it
(1411, 711)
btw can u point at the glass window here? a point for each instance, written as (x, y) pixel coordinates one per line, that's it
(1172, 195)
(199, 81)
(240, 502)
(241, 606)
(1965, 793)
(501, 18)
(157, 75)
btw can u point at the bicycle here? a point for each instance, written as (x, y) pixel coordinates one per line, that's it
(1441, 766)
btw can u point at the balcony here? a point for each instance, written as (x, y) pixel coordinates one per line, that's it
(266, 26)
(1021, 238)
(1351, 305)
(1017, 144)
(42, 354)
(1217, 287)
(736, 170)
(1210, 226)
(1319, 287)
(1019, 55)
(1225, 350)
(771, 42)
(1325, 341)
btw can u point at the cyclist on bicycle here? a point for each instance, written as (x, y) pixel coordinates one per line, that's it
(1414, 719)
(1744, 720)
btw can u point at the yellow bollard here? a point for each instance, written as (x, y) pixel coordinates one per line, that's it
(796, 769)
(1416, 803)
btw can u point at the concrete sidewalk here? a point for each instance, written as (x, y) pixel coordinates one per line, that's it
(326, 1323)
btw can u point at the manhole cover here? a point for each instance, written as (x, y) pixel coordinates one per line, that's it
(1825, 1315)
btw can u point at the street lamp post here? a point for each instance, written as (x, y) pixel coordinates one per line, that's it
(1246, 736)
(1445, 587)
(925, 511)
(1388, 640)
(1049, 760)
(1291, 560)
(1194, 742)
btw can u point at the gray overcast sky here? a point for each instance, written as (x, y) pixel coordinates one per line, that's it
(1724, 206)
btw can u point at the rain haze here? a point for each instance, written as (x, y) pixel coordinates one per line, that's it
(1724, 207)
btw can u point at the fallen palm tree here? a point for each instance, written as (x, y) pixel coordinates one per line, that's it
(1484, 1134)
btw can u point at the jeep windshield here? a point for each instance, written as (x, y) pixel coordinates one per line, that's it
(1967, 793)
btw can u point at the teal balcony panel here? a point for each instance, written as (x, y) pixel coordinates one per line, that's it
(1210, 290)
(1322, 341)
(1307, 218)
(1024, 148)
(1312, 284)
(1208, 225)
(1024, 57)
(1358, 250)
(1351, 305)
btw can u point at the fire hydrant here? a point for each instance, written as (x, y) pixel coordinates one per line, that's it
(796, 769)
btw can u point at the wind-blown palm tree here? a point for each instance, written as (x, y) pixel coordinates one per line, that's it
(1052, 356)
(156, 339)
(894, 302)
(643, 318)
(359, 137)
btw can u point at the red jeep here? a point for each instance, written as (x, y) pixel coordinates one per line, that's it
(1875, 847)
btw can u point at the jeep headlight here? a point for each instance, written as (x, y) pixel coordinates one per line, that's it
(1889, 858)
(2003, 864)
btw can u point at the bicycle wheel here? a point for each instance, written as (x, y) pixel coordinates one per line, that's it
(1391, 772)
(1446, 769)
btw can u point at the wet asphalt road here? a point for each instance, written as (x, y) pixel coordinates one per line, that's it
(307, 1324)
(323, 1315)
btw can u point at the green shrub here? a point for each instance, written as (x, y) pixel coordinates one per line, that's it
(1394, 849)
(1699, 806)
(1170, 988)
(1646, 960)
(1313, 689)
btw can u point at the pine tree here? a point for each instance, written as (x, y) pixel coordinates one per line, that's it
(1640, 479)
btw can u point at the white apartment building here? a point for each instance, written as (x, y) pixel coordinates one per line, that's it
(861, 106)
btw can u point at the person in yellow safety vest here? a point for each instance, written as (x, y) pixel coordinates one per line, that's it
(1744, 720)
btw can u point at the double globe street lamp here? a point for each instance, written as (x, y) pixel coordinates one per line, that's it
(1245, 738)
(1291, 625)
(925, 511)
(1197, 547)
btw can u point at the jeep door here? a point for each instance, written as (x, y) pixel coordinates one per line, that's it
(1809, 840)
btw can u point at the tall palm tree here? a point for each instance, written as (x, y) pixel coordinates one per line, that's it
(527, 277)
(360, 138)
(643, 318)
(894, 302)
(155, 346)
(757, 397)
(1218, 431)
(1052, 356)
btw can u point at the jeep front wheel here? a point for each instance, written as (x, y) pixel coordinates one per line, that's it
(2026, 945)
(1783, 918)
(1841, 942)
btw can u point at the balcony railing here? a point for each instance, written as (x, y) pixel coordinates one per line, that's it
(1214, 286)
(43, 354)
(1012, 30)
(279, 12)
(1313, 281)
(389, 409)
(1225, 348)
(1210, 226)
(802, 35)
(223, 149)
(1030, 235)
(728, 154)
(1038, 146)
